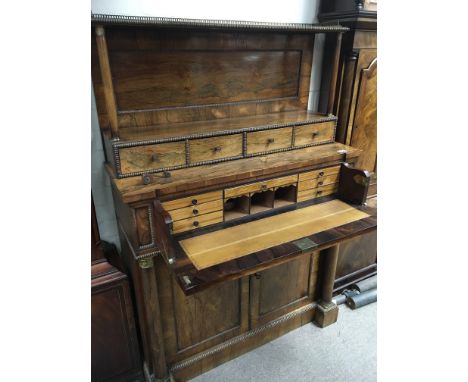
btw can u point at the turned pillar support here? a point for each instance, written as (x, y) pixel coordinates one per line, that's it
(327, 311)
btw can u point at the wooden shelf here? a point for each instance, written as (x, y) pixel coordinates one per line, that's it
(231, 215)
(205, 128)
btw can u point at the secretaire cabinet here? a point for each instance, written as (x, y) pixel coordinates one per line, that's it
(233, 200)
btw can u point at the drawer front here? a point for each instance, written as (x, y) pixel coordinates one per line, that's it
(199, 209)
(151, 157)
(319, 173)
(206, 149)
(317, 182)
(192, 200)
(269, 140)
(314, 134)
(259, 186)
(197, 222)
(317, 192)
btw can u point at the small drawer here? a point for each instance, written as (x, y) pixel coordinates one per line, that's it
(317, 182)
(205, 149)
(259, 186)
(269, 140)
(197, 222)
(151, 157)
(314, 134)
(319, 173)
(199, 209)
(192, 200)
(317, 192)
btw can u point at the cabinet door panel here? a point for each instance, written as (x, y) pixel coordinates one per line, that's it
(281, 289)
(364, 133)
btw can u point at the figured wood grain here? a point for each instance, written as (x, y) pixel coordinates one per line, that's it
(196, 210)
(193, 200)
(269, 140)
(184, 180)
(259, 186)
(317, 192)
(317, 182)
(316, 133)
(197, 221)
(144, 79)
(234, 242)
(171, 130)
(107, 83)
(206, 149)
(141, 158)
(319, 173)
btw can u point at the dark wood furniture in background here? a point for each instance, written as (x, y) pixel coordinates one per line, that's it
(232, 199)
(114, 346)
(355, 104)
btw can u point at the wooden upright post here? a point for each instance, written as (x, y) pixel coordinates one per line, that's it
(327, 311)
(106, 75)
(334, 74)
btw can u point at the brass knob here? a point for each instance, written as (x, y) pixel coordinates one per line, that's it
(216, 149)
(264, 187)
(196, 224)
(314, 134)
(320, 183)
(194, 201)
(195, 211)
(321, 173)
(270, 141)
(319, 192)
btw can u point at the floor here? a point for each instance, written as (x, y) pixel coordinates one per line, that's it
(345, 351)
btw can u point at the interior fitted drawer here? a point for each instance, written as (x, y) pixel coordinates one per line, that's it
(151, 157)
(259, 186)
(197, 222)
(315, 133)
(268, 140)
(317, 182)
(192, 200)
(205, 149)
(199, 209)
(317, 192)
(319, 173)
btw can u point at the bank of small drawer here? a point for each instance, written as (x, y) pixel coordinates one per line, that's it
(206, 149)
(259, 186)
(192, 200)
(197, 222)
(269, 140)
(317, 192)
(323, 172)
(314, 134)
(197, 210)
(317, 182)
(151, 157)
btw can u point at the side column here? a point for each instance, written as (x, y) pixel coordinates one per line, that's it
(327, 311)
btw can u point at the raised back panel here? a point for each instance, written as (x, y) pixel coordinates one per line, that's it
(178, 75)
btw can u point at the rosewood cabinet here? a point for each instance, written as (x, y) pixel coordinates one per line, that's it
(232, 199)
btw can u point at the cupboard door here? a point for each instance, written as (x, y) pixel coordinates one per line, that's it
(281, 289)
(364, 132)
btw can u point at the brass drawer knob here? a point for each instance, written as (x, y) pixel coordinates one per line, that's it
(216, 149)
(314, 134)
(195, 211)
(319, 192)
(264, 187)
(320, 183)
(321, 173)
(270, 141)
(194, 201)
(196, 224)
